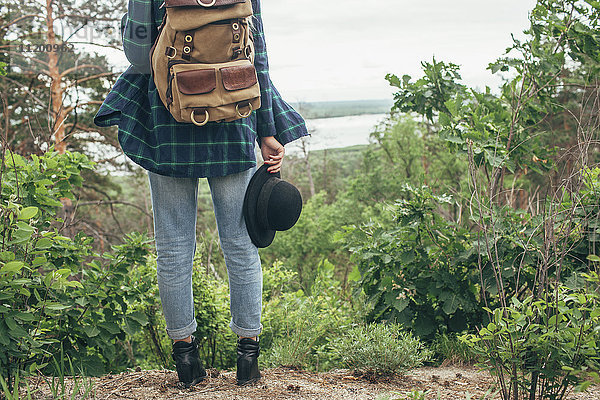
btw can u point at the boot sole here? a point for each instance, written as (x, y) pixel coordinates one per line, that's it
(248, 382)
(195, 381)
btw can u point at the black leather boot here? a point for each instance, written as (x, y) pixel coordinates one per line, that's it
(247, 361)
(189, 367)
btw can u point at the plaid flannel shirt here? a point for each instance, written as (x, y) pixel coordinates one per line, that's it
(150, 136)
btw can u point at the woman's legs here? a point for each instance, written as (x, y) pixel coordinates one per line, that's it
(174, 203)
(241, 255)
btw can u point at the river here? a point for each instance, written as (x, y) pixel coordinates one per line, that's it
(328, 133)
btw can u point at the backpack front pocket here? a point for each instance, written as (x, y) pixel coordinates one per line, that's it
(214, 92)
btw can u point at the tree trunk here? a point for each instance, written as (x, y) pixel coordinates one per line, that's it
(57, 109)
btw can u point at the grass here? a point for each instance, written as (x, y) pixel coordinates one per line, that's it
(450, 350)
(60, 388)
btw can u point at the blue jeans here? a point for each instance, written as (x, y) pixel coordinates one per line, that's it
(174, 204)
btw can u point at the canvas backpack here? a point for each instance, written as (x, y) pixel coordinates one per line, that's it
(202, 61)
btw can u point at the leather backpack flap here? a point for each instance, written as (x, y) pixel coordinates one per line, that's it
(196, 86)
(190, 15)
(215, 85)
(197, 82)
(191, 87)
(240, 83)
(239, 77)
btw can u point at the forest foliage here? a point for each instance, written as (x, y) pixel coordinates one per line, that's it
(470, 225)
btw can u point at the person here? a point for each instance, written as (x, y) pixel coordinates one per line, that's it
(175, 156)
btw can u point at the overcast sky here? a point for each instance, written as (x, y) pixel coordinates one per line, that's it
(342, 49)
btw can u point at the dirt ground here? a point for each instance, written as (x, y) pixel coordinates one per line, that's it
(447, 383)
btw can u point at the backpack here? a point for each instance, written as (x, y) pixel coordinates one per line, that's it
(202, 61)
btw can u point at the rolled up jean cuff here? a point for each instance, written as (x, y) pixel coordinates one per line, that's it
(243, 332)
(183, 333)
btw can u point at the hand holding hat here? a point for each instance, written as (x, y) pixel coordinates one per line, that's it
(272, 152)
(270, 204)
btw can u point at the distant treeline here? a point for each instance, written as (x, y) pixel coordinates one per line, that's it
(330, 109)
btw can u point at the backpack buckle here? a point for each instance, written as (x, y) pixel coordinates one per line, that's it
(206, 116)
(237, 109)
(212, 3)
(170, 51)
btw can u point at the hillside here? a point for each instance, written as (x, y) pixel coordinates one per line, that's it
(331, 109)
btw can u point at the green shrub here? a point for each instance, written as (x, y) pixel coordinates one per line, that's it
(217, 342)
(310, 241)
(303, 327)
(277, 279)
(423, 395)
(541, 348)
(297, 327)
(419, 270)
(55, 292)
(150, 346)
(379, 350)
(412, 395)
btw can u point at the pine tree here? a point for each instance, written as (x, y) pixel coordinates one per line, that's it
(53, 85)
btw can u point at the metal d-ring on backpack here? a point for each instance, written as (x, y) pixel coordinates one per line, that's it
(202, 61)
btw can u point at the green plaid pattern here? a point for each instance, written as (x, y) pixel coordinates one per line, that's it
(150, 136)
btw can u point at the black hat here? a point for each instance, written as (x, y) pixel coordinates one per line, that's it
(271, 204)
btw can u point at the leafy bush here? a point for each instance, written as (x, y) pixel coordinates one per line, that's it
(303, 327)
(217, 342)
(150, 346)
(55, 293)
(544, 323)
(298, 328)
(379, 350)
(277, 279)
(538, 348)
(310, 241)
(419, 271)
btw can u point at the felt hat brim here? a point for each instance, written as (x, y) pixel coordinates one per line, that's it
(260, 236)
